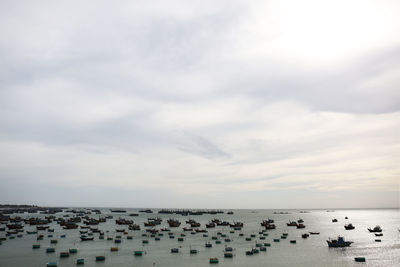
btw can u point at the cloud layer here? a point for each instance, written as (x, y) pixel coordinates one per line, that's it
(200, 104)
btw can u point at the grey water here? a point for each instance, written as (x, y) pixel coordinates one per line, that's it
(312, 251)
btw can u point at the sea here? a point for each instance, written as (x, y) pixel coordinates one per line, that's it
(311, 251)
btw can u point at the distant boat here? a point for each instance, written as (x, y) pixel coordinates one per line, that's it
(349, 226)
(305, 235)
(146, 211)
(138, 253)
(359, 259)
(100, 258)
(214, 260)
(378, 234)
(86, 238)
(338, 243)
(334, 220)
(376, 229)
(314, 233)
(118, 211)
(300, 226)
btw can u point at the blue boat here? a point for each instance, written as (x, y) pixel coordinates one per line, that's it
(338, 243)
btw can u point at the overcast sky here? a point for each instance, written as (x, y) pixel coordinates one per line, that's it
(203, 104)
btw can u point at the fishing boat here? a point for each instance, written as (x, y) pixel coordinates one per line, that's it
(210, 225)
(80, 261)
(339, 242)
(359, 259)
(300, 226)
(35, 246)
(292, 223)
(174, 223)
(334, 220)
(270, 226)
(378, 234)
(52, 264)
(73, 250)
(314, 233)
(174, 250)
(349, 226)
(305, 235)
(376, 229)
(138, 253)
(113, 249)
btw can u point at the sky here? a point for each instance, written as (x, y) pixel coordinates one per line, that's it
(200, 104)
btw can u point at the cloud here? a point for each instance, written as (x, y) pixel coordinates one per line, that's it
(216, 99)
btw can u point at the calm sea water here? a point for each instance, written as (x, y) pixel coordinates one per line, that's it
(312, 251)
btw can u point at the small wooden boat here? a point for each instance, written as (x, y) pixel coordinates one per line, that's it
(359, 259)
(52, 264)
(314, 233)
(73, 250)
(100, 258)
(80, 261)
(86, 238)
(300, 226)
(376, 229)
(193, 251)
(35, 246)
(292, 241)
(138, 253)
(64, 254)
(214, 260)
(305, 235)
(228, 255)
(50, 250)
(378, 234)
(349, 226)
(174, 250)
(113, 249)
